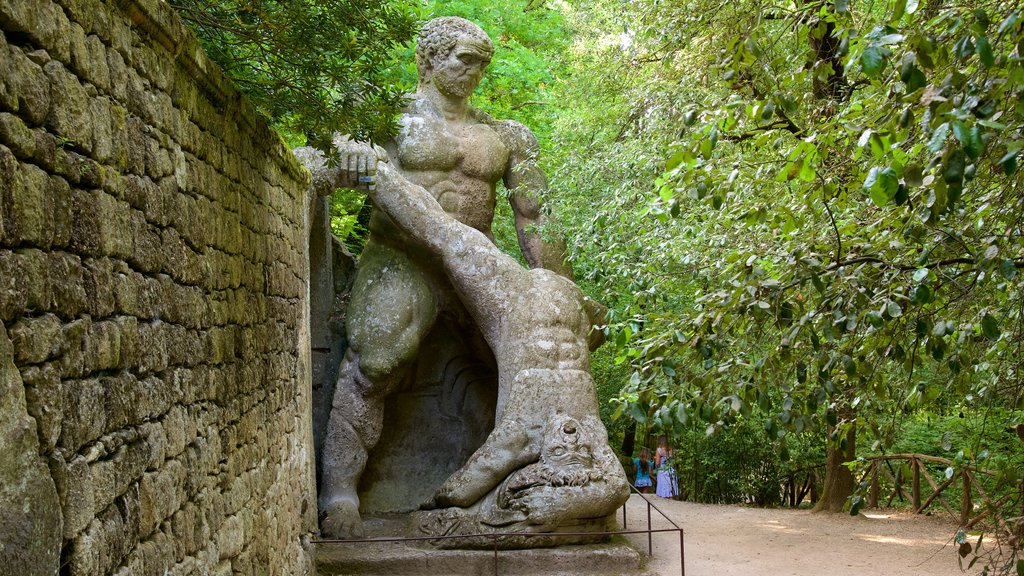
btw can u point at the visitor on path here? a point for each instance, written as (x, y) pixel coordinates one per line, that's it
(643, 464)
(668, 486)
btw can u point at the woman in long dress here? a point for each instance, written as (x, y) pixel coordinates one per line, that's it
(668, 486)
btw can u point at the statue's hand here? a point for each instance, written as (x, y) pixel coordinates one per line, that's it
(357, 163)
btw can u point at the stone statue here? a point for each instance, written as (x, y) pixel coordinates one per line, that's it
(458, 154)
(547, 464)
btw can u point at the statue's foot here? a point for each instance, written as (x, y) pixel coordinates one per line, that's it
(341, 520)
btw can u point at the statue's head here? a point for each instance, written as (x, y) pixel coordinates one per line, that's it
(452, 53)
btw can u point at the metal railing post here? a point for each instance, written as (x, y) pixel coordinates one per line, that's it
(650, 537)
(682, 563)
(495, 541)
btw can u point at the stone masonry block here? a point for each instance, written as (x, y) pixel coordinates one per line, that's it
(118, 75)
(114, 475)
(102, 225)
(99, 284)
(154, 397)
(147, 255)
(102, 130)
(153, 344)
(99, 69)
(44, 22)
(25, 207)
(75, 489)
(79, 61)
(84, 415)
(66, 274)
(44, 397)
(119, 401)
(154, 435)
(36, 339)
(82, 12)
(18, 137)
(72, 358)
(31, 278)
(13, 299)
(8, 96)
(58, 206)
(28, 83)
(69, 117)
(103, 347)
(160, 493)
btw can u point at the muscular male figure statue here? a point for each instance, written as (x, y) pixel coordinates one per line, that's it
(458, 154)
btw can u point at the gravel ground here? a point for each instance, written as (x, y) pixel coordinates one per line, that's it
(732, 540)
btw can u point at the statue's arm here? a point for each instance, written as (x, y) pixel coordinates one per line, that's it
(527, 183)
(485, 277)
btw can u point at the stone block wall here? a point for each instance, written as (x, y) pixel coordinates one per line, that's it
(154, 332)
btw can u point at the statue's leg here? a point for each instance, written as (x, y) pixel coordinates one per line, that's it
(391, 311)
(508, 447)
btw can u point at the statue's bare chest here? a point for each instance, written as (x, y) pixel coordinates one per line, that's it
(430, 144)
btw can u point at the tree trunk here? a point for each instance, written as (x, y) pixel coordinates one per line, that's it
(629, 440)
(839, 481)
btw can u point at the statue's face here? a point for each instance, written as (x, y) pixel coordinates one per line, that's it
(565, 447)
(459, 72)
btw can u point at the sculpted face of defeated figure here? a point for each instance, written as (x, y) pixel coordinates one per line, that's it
(458, 155)
(547, 463)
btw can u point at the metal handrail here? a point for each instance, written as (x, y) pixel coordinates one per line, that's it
(494, 536)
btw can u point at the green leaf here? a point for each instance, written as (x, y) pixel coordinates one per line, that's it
(913, 175)
(899, 8)
(1020, 567)
(963, 48)
(916, 80)
(638, 413)
(1010, 22)
(912, 6)
(990, 327)
(893, 309)
(920, 274)
(984, 50)
(938, 139)
(1008, 269)
(875, 319)
(881, 184)
(922, 295)
(872, 60)
(953, 168)
(806, 170)
(674, 160)
(842, 6)
(1009, 162)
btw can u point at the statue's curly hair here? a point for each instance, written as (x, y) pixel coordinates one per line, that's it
(438, 36)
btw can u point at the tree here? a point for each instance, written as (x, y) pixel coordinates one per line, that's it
(840, 201)
(312, 67)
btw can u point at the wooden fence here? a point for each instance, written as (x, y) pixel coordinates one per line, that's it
(966, 477)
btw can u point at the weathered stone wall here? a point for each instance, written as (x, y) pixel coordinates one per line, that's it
(154, 345)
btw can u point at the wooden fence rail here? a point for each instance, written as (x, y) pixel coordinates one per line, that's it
(968, 476)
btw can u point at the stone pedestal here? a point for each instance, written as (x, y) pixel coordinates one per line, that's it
(372, 558)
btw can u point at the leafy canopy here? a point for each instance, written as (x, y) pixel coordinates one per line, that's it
(313, 67)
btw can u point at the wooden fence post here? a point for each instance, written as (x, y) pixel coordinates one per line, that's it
(873, 493)
(915, 469)
(966, 507)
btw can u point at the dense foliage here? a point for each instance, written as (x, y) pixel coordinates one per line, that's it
(805, 213)
(313, 67)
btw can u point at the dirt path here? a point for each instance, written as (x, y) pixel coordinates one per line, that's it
(735, 541)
